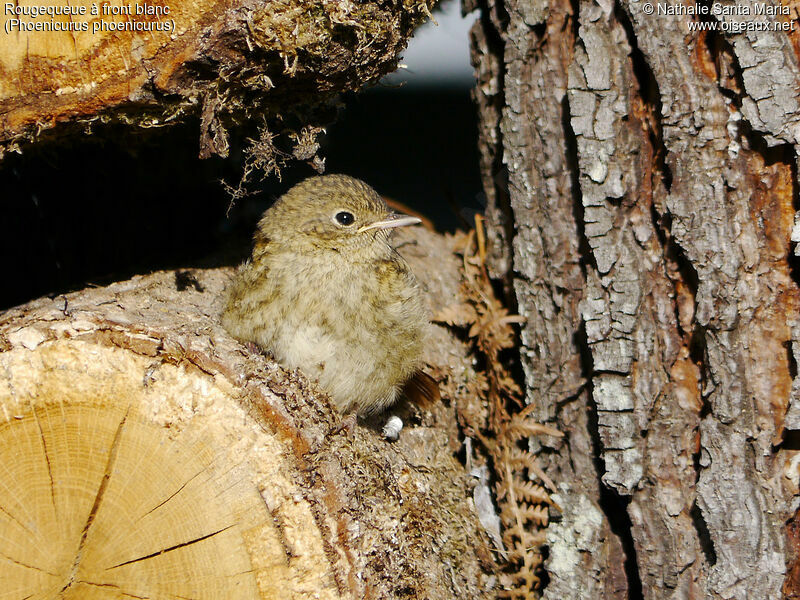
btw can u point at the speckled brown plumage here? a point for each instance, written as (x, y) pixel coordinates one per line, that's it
(332, 298)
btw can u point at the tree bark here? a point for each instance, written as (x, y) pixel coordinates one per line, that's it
(148, 454)
(642, 180)
(224, 61)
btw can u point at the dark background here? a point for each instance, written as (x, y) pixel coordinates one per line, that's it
(118, 203)
(104, 206)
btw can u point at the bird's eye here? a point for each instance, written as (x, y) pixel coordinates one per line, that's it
(344, 218)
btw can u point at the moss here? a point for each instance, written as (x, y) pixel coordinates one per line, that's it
(281, 62)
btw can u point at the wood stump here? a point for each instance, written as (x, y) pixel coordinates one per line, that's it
(146, 454)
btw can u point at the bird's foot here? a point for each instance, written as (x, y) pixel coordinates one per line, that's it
(392, 428)
(253, 347)
(347, 424)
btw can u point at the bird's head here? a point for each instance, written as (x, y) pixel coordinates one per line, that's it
(333, 213)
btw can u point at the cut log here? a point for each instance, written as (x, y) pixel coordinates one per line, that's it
(146, 454)
(152, 63)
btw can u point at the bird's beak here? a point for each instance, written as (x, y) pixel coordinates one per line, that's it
(394, 220)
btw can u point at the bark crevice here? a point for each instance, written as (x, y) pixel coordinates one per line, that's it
(650, 95)
(587, 259)
(615, 507)
(612, 504)
(706, 543)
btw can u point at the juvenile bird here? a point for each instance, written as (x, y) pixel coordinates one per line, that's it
(324, 291)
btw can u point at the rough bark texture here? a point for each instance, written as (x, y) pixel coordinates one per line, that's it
(520, 90)
(225, 61)
(647, 219)
(345, 515)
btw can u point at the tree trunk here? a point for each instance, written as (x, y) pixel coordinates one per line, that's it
(641, 179)
(146, 453)
(153, 64)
